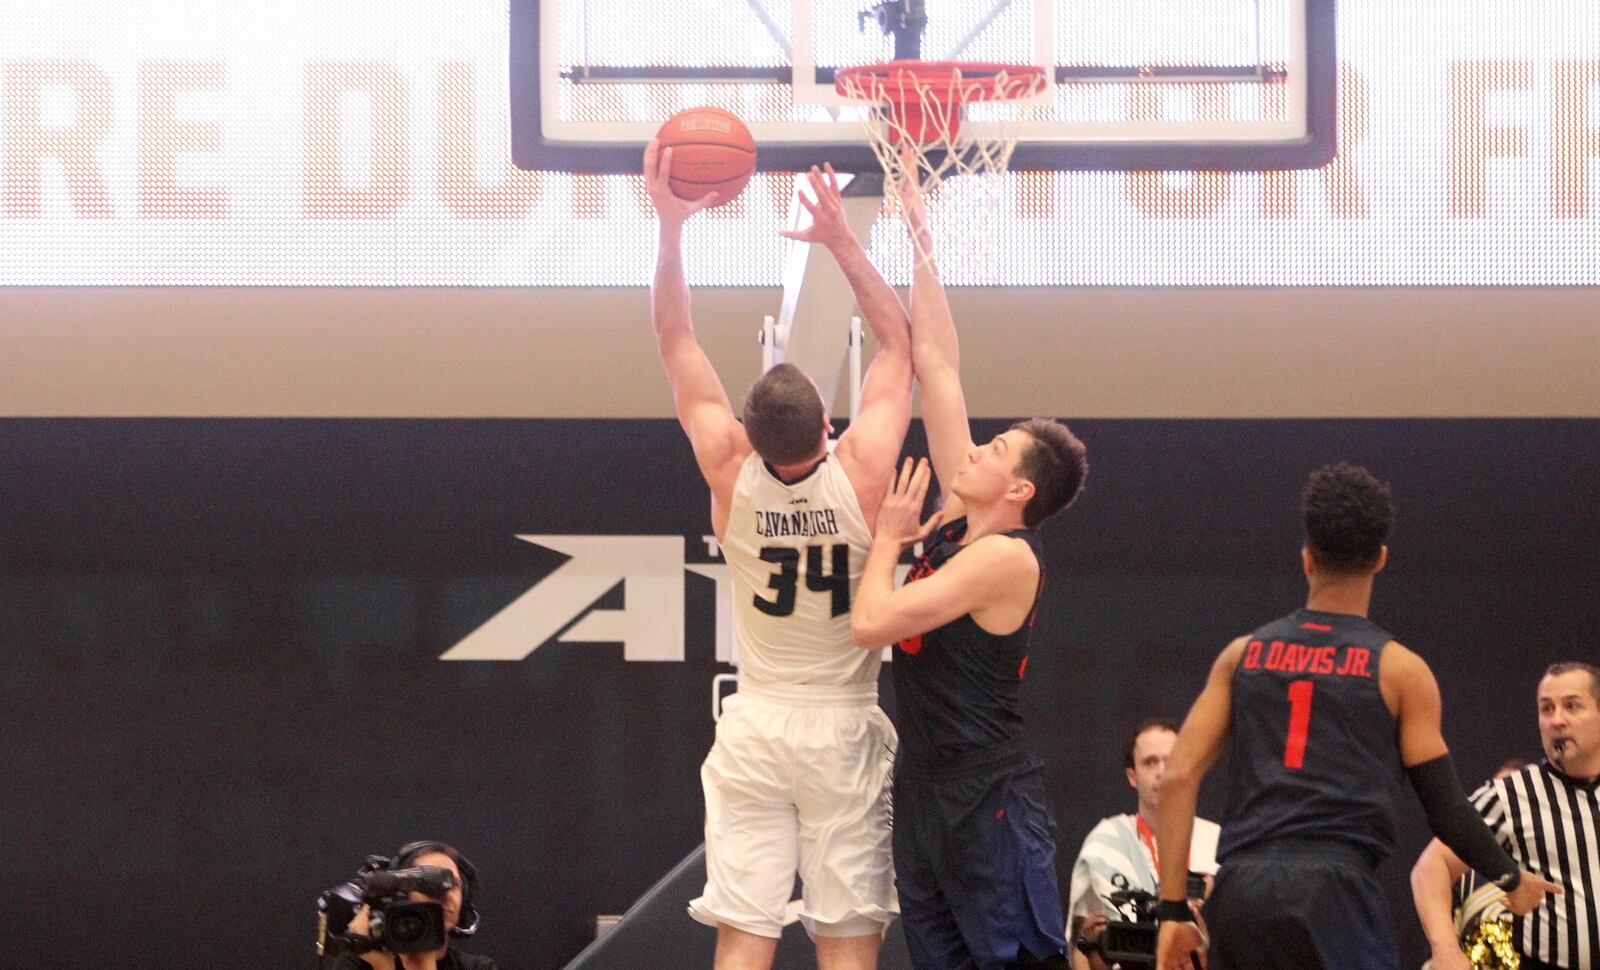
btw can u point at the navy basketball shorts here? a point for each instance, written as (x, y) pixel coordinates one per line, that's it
(1299, 906)
(974, 862)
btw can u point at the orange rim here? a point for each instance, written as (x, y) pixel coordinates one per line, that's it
(925, 97)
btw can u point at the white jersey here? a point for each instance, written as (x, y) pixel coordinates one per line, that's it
(1116, 857)
(796, 552)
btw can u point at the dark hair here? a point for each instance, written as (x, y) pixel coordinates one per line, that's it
(467, 922)
(1056, 463)
(1568, 666)
(1347, 513)
(783, 416)
(1148, 724)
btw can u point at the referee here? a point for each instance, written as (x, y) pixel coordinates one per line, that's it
(1544, 815)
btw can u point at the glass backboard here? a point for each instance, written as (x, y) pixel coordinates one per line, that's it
(1134, 84)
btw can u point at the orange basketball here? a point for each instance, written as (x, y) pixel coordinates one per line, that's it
(712, 152)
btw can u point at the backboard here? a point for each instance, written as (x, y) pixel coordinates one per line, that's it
(1134, 84)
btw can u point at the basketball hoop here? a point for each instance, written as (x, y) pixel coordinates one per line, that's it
(921, 105)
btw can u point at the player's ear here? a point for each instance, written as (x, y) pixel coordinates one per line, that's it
(1133, 780)
(1383, 559)
(1308, 562)
(1021, 490)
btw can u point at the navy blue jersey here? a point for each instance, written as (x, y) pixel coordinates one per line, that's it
(1314, 749)
(958, 688)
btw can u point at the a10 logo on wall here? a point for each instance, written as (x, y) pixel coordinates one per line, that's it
(560, 607)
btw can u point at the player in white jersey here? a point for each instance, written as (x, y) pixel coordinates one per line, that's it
(798, 778)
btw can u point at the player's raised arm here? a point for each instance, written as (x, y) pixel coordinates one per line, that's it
(935, 351)
(701, 403)
(869, 448)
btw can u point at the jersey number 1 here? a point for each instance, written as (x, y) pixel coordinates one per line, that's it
(1294, 750)
(835, 582)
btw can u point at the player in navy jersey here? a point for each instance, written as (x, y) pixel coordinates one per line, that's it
(973, 854)
(1322, 713)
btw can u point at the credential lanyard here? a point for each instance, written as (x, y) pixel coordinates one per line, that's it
(1149, 839)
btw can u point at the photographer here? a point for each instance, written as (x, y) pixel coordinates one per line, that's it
(1116, 870)
(350, 946)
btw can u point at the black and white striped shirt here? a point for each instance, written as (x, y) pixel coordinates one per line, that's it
(1547, 822)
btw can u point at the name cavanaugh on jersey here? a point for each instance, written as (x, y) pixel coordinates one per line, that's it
(797, 522)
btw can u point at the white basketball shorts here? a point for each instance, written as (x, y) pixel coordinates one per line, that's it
(798, 781)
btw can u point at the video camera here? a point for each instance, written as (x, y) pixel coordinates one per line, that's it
(395, 923)
(1131, 944)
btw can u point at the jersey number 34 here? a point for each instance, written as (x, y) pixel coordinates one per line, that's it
(827, 571)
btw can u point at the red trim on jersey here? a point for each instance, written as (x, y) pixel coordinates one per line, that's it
(1022, 668)
(1316, 626)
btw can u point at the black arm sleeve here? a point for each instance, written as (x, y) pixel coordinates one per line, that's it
(1453, 820)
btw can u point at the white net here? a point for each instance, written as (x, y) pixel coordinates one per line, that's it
(915, 119)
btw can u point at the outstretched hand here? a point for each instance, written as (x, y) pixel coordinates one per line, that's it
(828, 227)
(899, 517)
(1530, 892)
(669, 208)
(1179, 946)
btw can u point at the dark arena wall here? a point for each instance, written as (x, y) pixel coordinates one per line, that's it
(222, 639)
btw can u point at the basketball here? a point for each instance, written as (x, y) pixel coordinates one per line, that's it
(712, 152)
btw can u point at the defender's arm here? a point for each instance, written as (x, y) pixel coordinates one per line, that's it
(982, 574)
(935, 353)
(993, 573)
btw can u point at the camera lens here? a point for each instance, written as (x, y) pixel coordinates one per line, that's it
(407, 927)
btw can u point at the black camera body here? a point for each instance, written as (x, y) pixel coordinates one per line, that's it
(395, 923)
(1131, 944)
